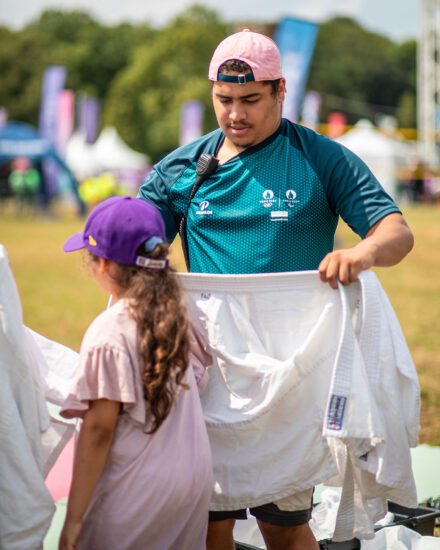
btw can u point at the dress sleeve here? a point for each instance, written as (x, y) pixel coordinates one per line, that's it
(105, 372)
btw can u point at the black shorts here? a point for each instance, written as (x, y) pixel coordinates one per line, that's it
(269, 513)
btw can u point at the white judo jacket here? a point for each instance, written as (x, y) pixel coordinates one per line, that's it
(308, 385)
(30, 439)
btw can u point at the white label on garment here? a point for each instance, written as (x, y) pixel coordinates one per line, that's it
(336, 412)
(279, 215)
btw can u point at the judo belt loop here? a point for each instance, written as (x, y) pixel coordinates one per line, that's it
(206, 166)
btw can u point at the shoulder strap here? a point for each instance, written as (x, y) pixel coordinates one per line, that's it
(206, 166)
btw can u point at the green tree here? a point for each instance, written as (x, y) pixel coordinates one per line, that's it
(359, 72)
(143, 75)
(20, 74)
(145, 100)
(93, 55)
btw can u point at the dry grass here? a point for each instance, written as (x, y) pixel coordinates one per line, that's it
(60, 299)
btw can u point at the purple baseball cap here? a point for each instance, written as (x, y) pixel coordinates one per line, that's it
(117, 228)
(257, 50)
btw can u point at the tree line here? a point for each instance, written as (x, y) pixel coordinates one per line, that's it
(142, 75)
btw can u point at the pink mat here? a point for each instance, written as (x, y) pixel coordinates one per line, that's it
(59, 478)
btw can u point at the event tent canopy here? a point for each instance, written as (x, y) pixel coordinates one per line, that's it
(383, 155)
(108, 153)
(18, 139)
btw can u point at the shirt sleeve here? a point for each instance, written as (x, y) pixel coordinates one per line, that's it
(155, 191)
(354, 192)
(105, 372)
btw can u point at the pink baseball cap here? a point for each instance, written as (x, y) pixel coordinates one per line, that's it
(257, 50)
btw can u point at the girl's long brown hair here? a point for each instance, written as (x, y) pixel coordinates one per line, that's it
(156, 306)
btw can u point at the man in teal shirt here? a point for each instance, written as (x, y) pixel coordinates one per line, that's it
(272, 205)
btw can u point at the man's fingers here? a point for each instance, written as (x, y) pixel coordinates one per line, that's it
(339, 267)
(329, 270)
(344, 273)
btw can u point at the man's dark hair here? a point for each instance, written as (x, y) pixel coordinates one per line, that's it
(242, 67)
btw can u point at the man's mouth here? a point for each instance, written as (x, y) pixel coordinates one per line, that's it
(239, 129)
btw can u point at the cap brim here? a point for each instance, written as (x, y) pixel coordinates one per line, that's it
(75, 242)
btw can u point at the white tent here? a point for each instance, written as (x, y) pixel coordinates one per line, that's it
(108, 153)
(81, 157)
(112, 153)
(384, 155)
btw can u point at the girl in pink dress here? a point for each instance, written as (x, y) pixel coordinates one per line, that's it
(142, 475)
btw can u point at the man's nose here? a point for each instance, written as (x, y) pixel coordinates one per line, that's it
(237, 112)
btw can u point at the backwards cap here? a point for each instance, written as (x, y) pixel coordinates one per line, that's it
(117, 228)
(257, 50)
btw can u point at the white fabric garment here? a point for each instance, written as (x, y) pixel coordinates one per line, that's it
(26, 507)
(400, 537)
(309, 385)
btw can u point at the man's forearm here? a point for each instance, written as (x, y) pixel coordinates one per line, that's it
(390, 240)
(386, 244)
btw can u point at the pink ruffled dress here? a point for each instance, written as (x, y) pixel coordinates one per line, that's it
(155, 489)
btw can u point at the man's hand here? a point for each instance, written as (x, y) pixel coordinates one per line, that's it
(387, 242)
(345, 265)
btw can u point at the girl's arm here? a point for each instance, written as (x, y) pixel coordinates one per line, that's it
(94, 442)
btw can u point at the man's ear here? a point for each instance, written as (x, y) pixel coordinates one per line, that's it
(282, 89)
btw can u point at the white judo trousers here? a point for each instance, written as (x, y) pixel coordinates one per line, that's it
(308, 385)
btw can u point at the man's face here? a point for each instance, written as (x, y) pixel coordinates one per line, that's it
(247, 113)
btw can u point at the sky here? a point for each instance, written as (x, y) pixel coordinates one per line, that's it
(397, 19)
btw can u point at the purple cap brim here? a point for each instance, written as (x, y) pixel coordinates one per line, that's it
(75, 242)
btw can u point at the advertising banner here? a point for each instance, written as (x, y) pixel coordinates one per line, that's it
(53, 82)
(89, 109)
(191, 121)
(310, 109)
(296, 40)
(54, 78)
(66, 108)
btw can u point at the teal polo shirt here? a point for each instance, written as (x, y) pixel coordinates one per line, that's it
(272, 208)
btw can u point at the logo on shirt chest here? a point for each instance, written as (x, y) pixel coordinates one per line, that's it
(290, 199)
(203, 209)
(268, 199)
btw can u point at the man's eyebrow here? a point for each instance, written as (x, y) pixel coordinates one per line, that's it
(247, 96)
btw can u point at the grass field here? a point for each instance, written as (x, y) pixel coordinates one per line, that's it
(59, 299)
